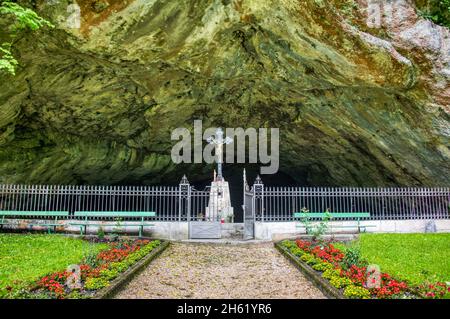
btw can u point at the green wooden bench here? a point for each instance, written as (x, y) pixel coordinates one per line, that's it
(354, 215)
(88, 217)
(54, 215)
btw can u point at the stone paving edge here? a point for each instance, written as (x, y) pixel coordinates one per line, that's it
(327, 289)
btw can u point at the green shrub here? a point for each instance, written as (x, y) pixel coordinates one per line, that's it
(352, 256)
(114, 237)
(119, 266)
(156, 243)
(288, 244)
(297, 251)
(90, 258)
(309, 259)
(340, 282)
(356, 292)
(317, 230)
(330, 273)
(109, 274)
(75, 294)
(96, 283)
(101, 233)
(131, 259)
(322, 266)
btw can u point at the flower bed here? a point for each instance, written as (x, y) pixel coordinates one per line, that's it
(415, 258)
(24, 258)
(350, 275)
(95, 272)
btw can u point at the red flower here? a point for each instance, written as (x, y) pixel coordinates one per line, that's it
(304, 245)
(436, 290)
(55, 282)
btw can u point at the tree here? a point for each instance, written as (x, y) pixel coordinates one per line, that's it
(437, 11)
(23, 19)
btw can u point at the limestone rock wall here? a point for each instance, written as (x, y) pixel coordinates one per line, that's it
(355, 104)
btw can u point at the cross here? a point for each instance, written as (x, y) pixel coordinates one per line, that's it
(218, 142)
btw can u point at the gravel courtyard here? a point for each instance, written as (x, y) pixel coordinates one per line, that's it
(186, 270)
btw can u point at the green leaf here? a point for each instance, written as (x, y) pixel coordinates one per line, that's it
(8, 63)
(25, 17)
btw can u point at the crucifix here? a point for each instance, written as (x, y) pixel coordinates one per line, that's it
(219, 141)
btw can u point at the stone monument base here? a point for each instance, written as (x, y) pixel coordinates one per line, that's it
(219, 207)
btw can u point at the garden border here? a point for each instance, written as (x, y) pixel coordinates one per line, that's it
(310, 273)
(118, 283)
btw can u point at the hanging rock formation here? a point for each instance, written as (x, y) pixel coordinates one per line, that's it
(358, 101)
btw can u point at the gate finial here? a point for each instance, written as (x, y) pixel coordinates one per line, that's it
(184, 180)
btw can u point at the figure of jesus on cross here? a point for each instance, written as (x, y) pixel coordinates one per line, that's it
(219, 141)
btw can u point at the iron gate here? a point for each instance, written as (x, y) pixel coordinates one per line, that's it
(197, 203)
(252, 199)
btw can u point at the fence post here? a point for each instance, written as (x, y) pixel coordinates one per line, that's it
(245, 184)
(184, 195)
(244, 189)
(258, 192)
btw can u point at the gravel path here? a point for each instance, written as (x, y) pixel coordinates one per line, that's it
(220, 271)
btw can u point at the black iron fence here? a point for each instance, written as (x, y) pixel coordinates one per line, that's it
(265, 204)
(170, 203)
(280, 203)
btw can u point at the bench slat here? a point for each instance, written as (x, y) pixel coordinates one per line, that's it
(114, 214)
(110, 225)
(343, 226)
(44, 224)
(333, 215)
(33, 213)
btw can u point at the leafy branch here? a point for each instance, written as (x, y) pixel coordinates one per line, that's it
(317, 230)
(439, 12)
(7, 61)
(24, 19)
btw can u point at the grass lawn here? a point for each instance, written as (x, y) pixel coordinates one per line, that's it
(412, 257)
(27, 257)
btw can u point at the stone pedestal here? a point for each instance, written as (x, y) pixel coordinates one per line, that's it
(219, 205)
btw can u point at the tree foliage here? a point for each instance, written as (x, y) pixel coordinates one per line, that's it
(7, 61)
(23, 19)
(437, 11)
